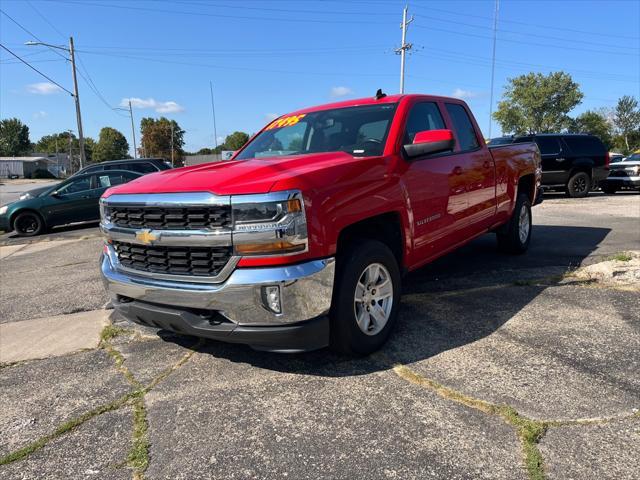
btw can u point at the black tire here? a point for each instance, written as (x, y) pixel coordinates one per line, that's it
(346, 336)
(578, 185)
(609, 189)
(509, 238)
(28, 224)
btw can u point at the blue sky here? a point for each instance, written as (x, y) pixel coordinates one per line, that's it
(273, 56)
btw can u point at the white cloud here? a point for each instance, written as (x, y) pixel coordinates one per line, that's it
(40, 114)
(464, 94)
(43, 88)
(271, 116)
(340, 92)
(160, 107)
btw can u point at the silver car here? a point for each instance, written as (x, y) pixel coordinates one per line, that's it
(623, 175)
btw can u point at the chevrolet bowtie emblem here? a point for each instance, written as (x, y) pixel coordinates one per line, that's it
(146, 236)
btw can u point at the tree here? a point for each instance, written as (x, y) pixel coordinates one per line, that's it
(593, 123)
(156, 138)
(59, 143)
(235, 141)
(204, 151)
(14, 138)
(537, 103)
(627, 119)
(112, 145)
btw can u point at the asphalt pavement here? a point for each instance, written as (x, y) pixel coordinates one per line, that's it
(501, 368)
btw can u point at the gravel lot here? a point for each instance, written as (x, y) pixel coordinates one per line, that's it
(500, 368)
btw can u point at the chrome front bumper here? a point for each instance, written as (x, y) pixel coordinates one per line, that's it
(305, 291)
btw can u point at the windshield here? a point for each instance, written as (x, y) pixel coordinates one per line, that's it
(358, 131)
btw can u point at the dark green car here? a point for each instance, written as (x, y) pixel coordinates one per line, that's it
(74, 200)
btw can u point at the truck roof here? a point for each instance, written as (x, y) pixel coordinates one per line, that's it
(369, 101)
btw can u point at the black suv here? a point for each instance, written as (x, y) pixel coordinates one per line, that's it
(573, 162)
(140, 165)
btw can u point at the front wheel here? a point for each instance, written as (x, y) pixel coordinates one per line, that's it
(366, 298)
(28, 224)
(515, 236)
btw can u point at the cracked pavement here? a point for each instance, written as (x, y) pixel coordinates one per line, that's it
(500, 368)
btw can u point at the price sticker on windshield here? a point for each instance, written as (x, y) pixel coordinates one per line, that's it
(285, 121)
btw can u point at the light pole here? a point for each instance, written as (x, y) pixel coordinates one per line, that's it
(75, 91)
(133, 129)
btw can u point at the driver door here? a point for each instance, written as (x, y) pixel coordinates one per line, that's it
(72, 201)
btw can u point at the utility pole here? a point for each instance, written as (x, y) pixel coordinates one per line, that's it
(493, 62)
(404, 46)
(172, 161)
(213, 111)
(70, 152)
(75, 89)
(133, 132)
(77, 98)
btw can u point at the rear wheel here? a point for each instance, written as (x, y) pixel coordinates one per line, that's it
(515, 236)
(28, 224)
(578, 185)
(365, 299)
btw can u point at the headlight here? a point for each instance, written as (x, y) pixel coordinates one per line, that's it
(4, 209)
(103, 212)
(269, 224)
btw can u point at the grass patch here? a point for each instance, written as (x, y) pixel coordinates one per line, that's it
(138, 457)
(530, 433)
(111, 331)
(66, 427)
(622, 257)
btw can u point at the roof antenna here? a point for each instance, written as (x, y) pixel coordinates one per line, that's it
(379, 94)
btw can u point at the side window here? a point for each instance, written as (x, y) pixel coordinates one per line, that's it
(76, 186)
(143, 167)
(463, 127)
(548, 145)
(423, 116)
(111, 179)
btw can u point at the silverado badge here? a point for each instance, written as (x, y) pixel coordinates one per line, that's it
(146, 236)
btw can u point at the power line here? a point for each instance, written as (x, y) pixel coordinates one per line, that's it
(32, 34)
(537, 25)
(93, 87)
(502, 30)
(220, 15)
(46, 20)
(548, 45)
(35, 69)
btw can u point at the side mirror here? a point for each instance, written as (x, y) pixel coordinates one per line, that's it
(430, 141)
(55, 194)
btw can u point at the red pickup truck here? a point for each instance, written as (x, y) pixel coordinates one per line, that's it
(301, 239)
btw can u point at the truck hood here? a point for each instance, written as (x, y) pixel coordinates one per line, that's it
(259, 175)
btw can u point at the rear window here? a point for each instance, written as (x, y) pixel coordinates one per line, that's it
(585, 146)
(462, 125)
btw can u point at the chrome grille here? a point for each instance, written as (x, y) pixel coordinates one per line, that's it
(198, 261)
(170, 218)
(618, 173)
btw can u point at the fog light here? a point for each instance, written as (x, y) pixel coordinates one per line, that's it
(271, 298)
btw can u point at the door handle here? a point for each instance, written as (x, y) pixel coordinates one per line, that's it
(561, 159)
(457, 171)
(486, 164)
